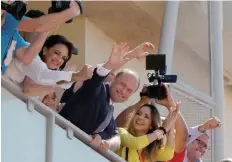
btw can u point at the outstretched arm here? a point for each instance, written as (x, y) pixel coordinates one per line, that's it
(51, 21)
(180, 125)
(32, 89)
(196, 131)
(27, 54)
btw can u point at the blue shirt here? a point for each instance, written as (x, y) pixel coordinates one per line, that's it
(11, 40)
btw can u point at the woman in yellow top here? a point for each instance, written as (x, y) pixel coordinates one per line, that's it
(144, 139)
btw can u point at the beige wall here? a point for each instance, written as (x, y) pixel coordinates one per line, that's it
(228, 121)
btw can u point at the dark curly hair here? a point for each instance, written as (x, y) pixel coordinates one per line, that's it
(58, 39)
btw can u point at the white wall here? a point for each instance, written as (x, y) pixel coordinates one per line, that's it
(190, 68)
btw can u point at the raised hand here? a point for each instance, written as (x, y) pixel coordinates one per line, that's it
(141, 51)
(117, 58)
(168, 102)
(212, 123)
(84, 74)
(171, 118)
(71, 68)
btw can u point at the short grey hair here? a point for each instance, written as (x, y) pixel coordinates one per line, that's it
(130, 72)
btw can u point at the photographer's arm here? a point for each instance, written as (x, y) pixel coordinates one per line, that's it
(181, 134)
(180, 125)
(27, 54)
(51, 21)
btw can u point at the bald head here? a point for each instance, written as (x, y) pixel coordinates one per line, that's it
(131, 73)
(124, 86)
(198, 147)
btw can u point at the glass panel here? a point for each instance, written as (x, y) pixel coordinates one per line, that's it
(72, 150)
(23, 135)
(191, 61)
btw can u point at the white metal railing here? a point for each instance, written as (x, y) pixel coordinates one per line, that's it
(52, 119)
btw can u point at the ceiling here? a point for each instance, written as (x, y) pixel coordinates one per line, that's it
(135, 22)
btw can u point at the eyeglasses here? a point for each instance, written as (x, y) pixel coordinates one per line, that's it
(201, 144)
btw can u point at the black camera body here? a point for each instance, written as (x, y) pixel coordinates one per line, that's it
(58, 6)
(156, 90)
(17, 9)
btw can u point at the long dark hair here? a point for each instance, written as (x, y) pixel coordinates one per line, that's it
(156, 123)
(57, 39)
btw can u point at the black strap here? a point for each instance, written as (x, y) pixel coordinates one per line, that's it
(127, 151)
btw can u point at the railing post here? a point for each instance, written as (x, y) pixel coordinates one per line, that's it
(215, 8)
(168, 31)
(49, 137)
(70, 133)
(30, 106)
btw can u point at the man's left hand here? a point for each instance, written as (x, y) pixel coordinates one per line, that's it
(96, 141)
(104, 147)
(212, 123)
(141, 50)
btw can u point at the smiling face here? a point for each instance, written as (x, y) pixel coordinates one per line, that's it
(123, 87)
(50, 100)
(198, 147)
(55, 56)
(142, 121)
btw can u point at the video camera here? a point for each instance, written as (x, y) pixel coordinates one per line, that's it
(156, 90)
(58, 6)
(16, 8)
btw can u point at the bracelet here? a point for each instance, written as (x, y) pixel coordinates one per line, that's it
(163, 129)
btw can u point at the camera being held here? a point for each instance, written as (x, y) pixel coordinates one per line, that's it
(16, 8)
(156, 90)
(58, 6)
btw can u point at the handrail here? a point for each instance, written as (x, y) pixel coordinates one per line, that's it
(59, 120)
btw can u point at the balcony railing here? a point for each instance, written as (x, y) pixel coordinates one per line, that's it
(34, 132)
